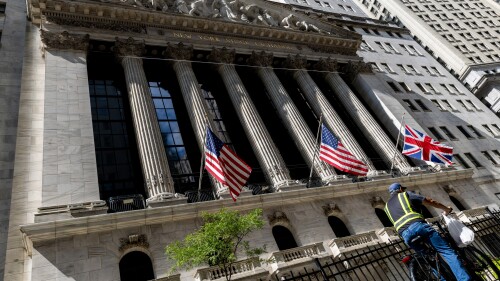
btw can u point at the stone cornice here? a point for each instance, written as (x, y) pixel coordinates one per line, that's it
(65, 41)
(38, 232)
(93, 15)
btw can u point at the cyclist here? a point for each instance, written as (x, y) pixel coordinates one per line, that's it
(402, 209)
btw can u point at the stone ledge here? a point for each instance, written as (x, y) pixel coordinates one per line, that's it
(41, 231)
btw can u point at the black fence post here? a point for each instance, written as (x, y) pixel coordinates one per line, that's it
(323, 273)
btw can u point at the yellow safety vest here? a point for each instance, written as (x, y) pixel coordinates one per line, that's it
(398, 209)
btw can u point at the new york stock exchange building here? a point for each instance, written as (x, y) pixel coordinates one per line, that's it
(111, 114)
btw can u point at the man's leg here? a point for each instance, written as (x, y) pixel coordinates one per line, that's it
(447, 253)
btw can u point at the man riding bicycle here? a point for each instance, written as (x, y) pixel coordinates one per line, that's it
(403, 209)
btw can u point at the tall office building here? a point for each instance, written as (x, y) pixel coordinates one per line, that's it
(462, 36)
(107, 102)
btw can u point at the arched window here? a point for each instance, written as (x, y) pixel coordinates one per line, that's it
(382, 216)
(283, 238)
(338, 227)
(136, 266)
(457, 203)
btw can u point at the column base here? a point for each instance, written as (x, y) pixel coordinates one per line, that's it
(287, 185)
(336, 179)
(378, 175)
(166, 199)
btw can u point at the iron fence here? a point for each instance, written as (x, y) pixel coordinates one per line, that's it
(383, 261)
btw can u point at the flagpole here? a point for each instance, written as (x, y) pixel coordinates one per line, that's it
(315, 149)
(397, 141)
(202, 162)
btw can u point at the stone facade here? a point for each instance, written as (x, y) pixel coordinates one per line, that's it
(58, 224)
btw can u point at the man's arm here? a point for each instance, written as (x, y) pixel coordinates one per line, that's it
(436, 204)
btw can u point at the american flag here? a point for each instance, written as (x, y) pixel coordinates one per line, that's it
(222, 163)
(334, 153)
(420, 146)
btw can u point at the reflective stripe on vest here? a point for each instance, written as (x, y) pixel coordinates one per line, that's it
(404, 213)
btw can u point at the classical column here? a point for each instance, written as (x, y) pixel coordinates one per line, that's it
(147, 131)
(363, 119)
(264, 148)
(290, 115)
(192, 95)
(320, 105)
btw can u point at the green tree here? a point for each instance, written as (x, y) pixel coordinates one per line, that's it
(217, 241)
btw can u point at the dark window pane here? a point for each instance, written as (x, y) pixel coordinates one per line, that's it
(181, 151)
(162, 115)
(158, 103)
(168, 140)
(164, 127)
(171, 114)
(174, 127)
(172, 153)
(155, 92)
(168, 103)
(177, 139)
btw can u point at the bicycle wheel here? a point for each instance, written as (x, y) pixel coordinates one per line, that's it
(479, 264)
(420, 270)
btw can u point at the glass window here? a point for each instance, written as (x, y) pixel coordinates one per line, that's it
(171, 134)
(464, 131)
(410, 105)
(461, 161)
(117, 170)
(422, 105)
(438, 105)
(449, 106)
(394, 87)
(473, 160)
(488, 156)
(405, 87)
(488, 129)
(219, 124)
(436, 133)
(448, 133)
(475, 132)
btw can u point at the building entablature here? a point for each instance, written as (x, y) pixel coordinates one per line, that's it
(49, 230)
(257, 25)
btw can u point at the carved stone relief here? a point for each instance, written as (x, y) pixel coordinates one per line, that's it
(377, 202)
(278, 218)
(134, 240)
(230, 10)
(129, 47)
(331, 210)
(65, 41)
(261, 59)
(326, 65)
(296, 62)
(179, 51)
(222, 55)
(351, 69)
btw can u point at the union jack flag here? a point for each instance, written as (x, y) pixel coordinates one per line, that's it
(224, 165)
(420, 146)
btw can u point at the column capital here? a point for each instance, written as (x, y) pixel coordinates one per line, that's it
(296, 62)
(129, 47)
(223, 55)
(65, 41)
(179, 51)
(326, 65)
(261, 59)
(353, 68)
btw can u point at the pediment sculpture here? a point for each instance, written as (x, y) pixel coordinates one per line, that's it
(251, 12)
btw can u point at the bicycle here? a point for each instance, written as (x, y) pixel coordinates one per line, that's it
(478, 264)
(428, 265)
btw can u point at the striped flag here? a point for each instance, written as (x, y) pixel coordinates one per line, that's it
(334, 153)
(222, 163)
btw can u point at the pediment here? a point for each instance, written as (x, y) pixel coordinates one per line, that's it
(238, 19)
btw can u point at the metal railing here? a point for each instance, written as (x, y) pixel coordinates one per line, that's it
(376, 256)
